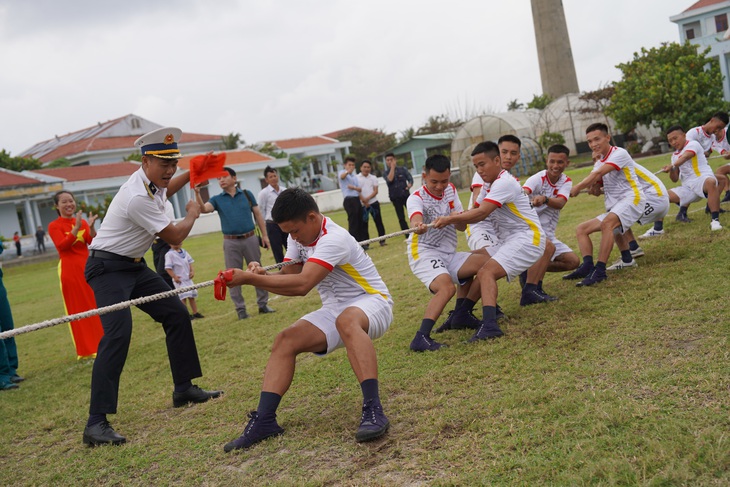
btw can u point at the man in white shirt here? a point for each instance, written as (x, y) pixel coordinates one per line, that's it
(369, 198)
(266, 199)
(116, 272)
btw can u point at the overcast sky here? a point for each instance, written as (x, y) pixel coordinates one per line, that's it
(287, 68)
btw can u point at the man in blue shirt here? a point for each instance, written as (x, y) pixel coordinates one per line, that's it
(353, 207)
(237, 210)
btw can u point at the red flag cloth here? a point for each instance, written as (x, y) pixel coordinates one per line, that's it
(224, 277)
(205, 167)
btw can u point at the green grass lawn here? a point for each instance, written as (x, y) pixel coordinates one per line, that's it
(624, 383)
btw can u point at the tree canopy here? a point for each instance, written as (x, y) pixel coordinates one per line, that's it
(667, 85)
(367, 144)
(18, 163)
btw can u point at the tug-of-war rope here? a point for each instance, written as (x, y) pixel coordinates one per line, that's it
(166, 294)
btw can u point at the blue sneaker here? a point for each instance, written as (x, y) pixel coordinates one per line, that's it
(594, 278)
(373, 423)
(258, 429)
(580, 273)
(545, 295)
(424, 343)
(487, 331)
(464, 319)
(532, 297)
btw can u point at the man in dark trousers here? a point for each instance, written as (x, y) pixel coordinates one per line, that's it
(116, 272)
(399, 182)
(351, 191)
(267, 197)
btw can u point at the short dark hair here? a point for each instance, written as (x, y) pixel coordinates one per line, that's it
(488, 147)
(269, 169)
(230, 171)
(293, 204)
(674, 128)
(597, 126)
(510, 138)
(366, 161)
(722, 116)
(559, 149)
(390, 154)
(438, 163)
(350, 159)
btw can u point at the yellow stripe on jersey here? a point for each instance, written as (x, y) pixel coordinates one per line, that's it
(649, 180)
(530, 223)
(414, 246)
(696, 166)
(468, 231)
(634, 187)
(352, 272)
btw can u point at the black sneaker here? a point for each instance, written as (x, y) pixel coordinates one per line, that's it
(194, 394)
(500, 314)
(258, 429)
(545, 295)
(373, 423)
(726, 198)
(580, 273)
(102, 434)
(464, 319)
(594, 278)
(424, 343)
(446, 325)
(682, 217)
(197, 316)
(488, 330)
(532, 297)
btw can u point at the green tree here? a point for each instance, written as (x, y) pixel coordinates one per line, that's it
(670, 84)
(597, 101)
(540, 101)
(269, 149)
(134, 156)
(62, 162)
(232, 141)
(437, 124)
(514, 105)
(406, 135)
(98, 209)
(368, 144)
(550, 138)
(18, 163)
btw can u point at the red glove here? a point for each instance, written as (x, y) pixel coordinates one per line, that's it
(224, 277)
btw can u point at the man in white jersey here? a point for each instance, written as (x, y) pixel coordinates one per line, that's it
(624, 203)
(523, 242)
(689, 165)
(356, 309)
(549, 191)
(655, 209)
(117, 272)
(722, 147)
(432, 253)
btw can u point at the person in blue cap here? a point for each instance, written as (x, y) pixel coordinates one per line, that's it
(117, 272)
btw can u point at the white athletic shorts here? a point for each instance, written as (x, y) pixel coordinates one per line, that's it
(686, 196)
(483, 239)
(628, 213)
(519, 254)
(655, 208)
(378, 310)
(696, 186)
(560, 248)
(431, 264)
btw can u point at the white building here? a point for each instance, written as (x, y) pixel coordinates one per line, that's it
(705, 23)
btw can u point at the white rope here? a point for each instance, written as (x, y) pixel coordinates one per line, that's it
(155, 297)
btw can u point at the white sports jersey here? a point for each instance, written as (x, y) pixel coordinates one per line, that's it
(699, 135)
(352, 273)
(722, 147)
(432, 207)
(134, 216)
(539, 184)
(485, 225)
(622, 182)
(649, 183)
(695, 167)
(514, 217)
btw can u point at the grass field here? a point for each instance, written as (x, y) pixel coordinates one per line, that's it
(624, 383)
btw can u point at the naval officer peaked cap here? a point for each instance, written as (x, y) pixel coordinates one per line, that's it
(160, 143)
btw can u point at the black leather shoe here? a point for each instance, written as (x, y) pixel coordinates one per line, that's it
(265, 309)
(16, 379)
(102, 434)
(194, 394)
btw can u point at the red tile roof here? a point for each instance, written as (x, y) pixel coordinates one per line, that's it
(703, 3)
(303, 142)
(9, 179)
(85, 173)
(233, 158)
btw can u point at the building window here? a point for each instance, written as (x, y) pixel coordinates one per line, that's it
(690, 34)
(135, 123)
(721, 23)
